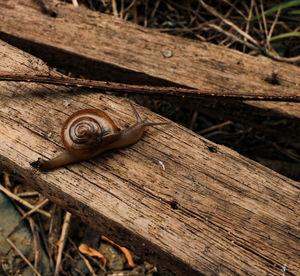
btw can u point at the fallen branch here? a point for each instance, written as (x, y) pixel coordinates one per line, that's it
(142, 89)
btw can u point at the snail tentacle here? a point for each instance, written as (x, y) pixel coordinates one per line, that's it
(89, 132)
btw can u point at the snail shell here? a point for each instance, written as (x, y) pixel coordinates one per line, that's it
(84, 131)
(89, 132)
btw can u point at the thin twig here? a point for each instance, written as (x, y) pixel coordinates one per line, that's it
(62, 241)
(146, 14)
(6, 180)
(36, 244)
(233, 6)
(229, 23)
(28, 194)
(126, 10)
(229, 11)
(75, 3)
(36, 237)
(248, 22)
(45, 242)
(291, 59)
(251, 39)
(87, 263)
(115, 8)
(122, 9)
(143, 89)
(155, 9)
(209, 129)
(259, 19)
(22, 256)
(22, 201)
(25, 215)
(273, 26)
(54, 228)
(35, 208)
(135, 14)
(234, 37)
(264, 19)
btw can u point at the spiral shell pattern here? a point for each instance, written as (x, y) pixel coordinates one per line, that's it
(84, 130)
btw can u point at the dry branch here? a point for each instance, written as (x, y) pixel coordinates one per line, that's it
(140, 89)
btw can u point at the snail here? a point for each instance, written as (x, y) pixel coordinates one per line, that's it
(89, 132)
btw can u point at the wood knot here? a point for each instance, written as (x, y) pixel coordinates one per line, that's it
(212, 149)
(174, 204)
(274, 78)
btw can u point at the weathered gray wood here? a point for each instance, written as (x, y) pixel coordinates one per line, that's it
(210, 211)
(135, 54)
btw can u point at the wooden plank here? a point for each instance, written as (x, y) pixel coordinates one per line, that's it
(123, 52)
(211, 211)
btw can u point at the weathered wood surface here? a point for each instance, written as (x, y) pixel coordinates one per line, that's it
(211, 211)
(132, 53)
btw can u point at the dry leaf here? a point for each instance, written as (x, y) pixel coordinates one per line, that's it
(83, 248)
(125, 251)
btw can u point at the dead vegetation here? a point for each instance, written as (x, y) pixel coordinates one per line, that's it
(254, 27)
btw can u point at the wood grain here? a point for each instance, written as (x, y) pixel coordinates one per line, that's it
(123, 52)
(211, 211)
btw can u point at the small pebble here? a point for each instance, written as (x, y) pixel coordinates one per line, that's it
(167, 53)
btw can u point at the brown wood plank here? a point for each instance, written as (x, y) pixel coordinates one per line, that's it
(123, 52)
(211, 211)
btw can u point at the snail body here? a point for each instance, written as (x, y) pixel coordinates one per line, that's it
(89, 132)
